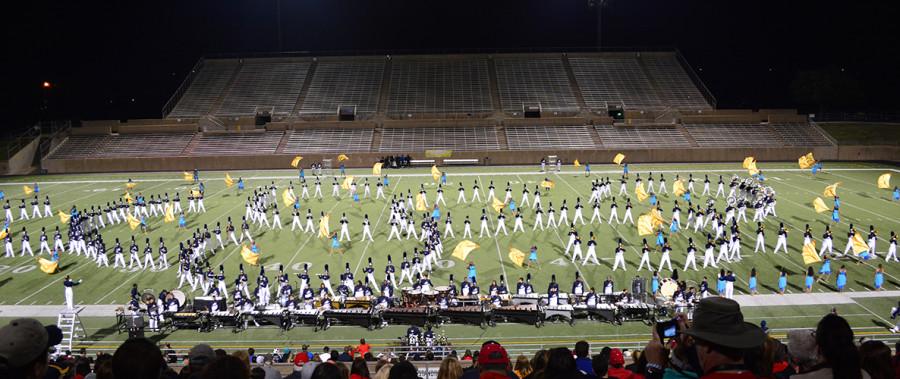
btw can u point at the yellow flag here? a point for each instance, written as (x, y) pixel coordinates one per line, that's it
(296, 161)
(323, 227)
(809, 253)
(516, 256)
(831, 191)
(195, 193)
(343, 157)
(747, 162)
(678, 187)
(187, 176)
(806, 161)
(657, 217)
(463, 248)
(28, 190)
(884, 181)
(228, 180)
(819, 205)
(577, 163)
(170, 213)
(4, 233)
(619, 158)
(133, 222)
(249, 256)
(48, 266)
(347, 182)
(64, 218)
(751, 169)
(859, 244)
(288, 199)
(376, 169)
(640, 192)
(548, 184)
(128, 198)
(645, 225)
(420, 202)
(130, 185)
(497, 205)
(435, 173)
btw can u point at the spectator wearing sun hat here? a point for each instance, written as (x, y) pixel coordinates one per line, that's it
(24, 348)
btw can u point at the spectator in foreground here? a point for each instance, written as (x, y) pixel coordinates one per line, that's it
(227, 367)
(198, 357)
(450, 369)
(23, 353)
(561, 365)
(895, 361)
(876, 359)
(138, 358)
(803, 351)
(383, 371)
(363, 347)
(493, 362)
(538, 364)
(327, 371)
(522, 367)
(720, 335)
(359, 369)
(582, 360)
(402, 370)
(617, 365)
(837, 349)
(600, 363)
(266, 366)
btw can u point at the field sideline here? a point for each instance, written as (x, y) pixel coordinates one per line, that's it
(21, 283)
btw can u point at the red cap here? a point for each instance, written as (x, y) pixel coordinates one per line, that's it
(616, 357)
(493, 353)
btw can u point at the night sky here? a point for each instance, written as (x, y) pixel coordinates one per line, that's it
(123, 59)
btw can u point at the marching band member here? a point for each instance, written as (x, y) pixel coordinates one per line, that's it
(476, 196)
(620, 257)
(591, 251)
(578, 285)
(405, 270)
(782, 238)
(326, 282)
(665, 260)
(645, 257)
(608, 286)
(484, 224)
(892, 249)
(691, 259)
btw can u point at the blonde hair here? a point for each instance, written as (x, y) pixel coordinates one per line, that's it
(522, 367)
(383, 372)
(450, 369)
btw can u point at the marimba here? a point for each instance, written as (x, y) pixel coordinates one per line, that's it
(529, 314)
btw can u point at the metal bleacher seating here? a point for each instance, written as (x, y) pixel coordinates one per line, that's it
(328, 140)
(800, 134)
(264, 84)
(442, 85)
(206, 87)
(642, 137)
(449, 138)
(348, 83)
(552, 137)
(126, 145)
(676, 89)
(534, 81)
(620, 81)
(236, 144)
(733, 134)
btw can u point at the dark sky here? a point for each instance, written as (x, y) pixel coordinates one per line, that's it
(123, 59)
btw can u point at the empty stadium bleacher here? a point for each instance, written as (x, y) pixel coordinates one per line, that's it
(534, 80)
(272, 85)
(236, 144)
(443, 85)
(328, 140)
(643, 136)
(350, 83)
(675, 87)
(205, 89)
(555, 137)
(618, 81)
(733, 135)
(124, 145)
(450, 138)
(800, 134)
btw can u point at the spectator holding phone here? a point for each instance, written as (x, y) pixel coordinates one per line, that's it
(715, 343)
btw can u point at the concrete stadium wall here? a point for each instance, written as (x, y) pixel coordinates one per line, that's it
(256, 162)
(20, 163)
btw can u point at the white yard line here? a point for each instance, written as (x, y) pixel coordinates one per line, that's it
(497, 244)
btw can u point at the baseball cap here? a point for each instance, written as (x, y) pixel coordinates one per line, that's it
(616, 357)
(25, 339)
(201, 354)
(492, 353)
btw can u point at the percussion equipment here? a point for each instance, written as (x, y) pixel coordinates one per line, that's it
(205, 303)
(529, 314)
(358, 302)
(411, 296)
(473, 314)
(410, 316)
(306, 317)
(600, 312)
(148, 298)
(178, 295)
(368, 318)
(560, 313)
(429, 296)
(471, 300)
(668, 288)
(526, 299)
(443, 290)
(637, 312)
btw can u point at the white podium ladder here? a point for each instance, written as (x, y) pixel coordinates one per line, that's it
(70, 324)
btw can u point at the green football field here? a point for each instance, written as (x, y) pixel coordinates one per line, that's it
(23, 284)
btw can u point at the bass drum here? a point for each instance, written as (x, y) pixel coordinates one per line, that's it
(180, 296)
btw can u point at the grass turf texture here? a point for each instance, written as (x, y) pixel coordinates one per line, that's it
(21, 283)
